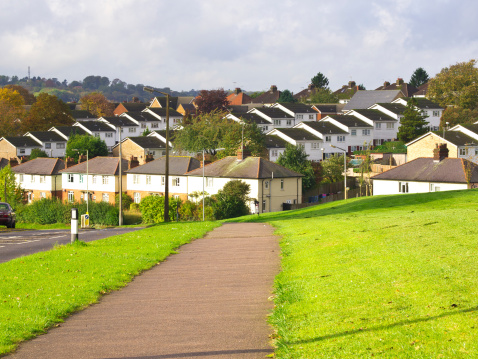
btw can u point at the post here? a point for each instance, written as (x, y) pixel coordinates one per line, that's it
(74, 224)
(166, 175)
(203, 164)
(87, 192)
(120, 219)
(345, 176)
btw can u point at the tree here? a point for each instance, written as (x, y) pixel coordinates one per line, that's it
(413, 123)
(320, 81)
(13, 191)
(97, 104)
(458, 116)
(333, 168)
(94, 145)
(46, 112)
(419, 77)
(231, 200)
(36, 152)
(295, 159)
(27, 96)
(211, 100)
(456, 85)
(323, 95)
(286, 96)
(11, 112)
(146, 132)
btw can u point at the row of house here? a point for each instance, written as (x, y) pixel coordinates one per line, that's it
(99, 178)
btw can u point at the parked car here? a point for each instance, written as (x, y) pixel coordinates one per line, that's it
(7, 215)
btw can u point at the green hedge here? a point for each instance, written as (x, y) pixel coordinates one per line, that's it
(152, 209)
(48, 211)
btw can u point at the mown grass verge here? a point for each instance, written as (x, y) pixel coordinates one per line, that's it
(39, 290)
(388, 276)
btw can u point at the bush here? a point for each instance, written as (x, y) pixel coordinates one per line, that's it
(126, 201)
(231, 201)
(152, 209)
(134, 207)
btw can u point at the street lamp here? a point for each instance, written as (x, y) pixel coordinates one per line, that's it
(87, 192)
(166, 175)
(345, 169)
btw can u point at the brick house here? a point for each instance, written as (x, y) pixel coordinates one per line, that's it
(144, 148)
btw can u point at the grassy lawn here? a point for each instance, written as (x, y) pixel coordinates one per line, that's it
(37, 291)
(389, 276)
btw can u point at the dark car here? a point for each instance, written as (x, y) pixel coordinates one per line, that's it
(7, 215)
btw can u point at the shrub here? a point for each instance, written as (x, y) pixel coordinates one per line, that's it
(134, 207)
(231, 201)
(152, 209)
(126, 201)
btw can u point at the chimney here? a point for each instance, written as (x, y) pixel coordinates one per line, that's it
(386, 83)
(148, 158)
(440, 152)
(24, 159)
(81, 158)
(13, 162)
(352, 84)
(273, 88)
(311, 86)
(133, 162)
(237, 90)
(399, 81)
(69, 162)
(242, 155)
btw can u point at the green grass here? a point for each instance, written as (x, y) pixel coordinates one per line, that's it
(388, 276)
(39, 290)
(41, 226)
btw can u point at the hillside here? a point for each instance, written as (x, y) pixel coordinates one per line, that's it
(388, 276)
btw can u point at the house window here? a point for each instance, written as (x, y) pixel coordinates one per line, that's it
(274, 153)
(132, 129)
(93, 179)
(42, 179)
(353, 132)
(265, 128)
(436, 113)
(71, 196)
(148, 179)
(340, 138)
(403, 187)
(311, 117)
(97, 134)
(328, 138)
(289, 122)
(143, 125)
(22, 151)
(176, 196)
(378, 125)
(135, 179)
(281, 184)
(33, 179)
(390, 125)
(266, 184)
(71, 178)
(42, 195)
(162, 180)
(137, 197)
(109, 134)
(276, 122)
(314, 145)
(105, 179)
(365, 132)
(155, 125)
(105, 197)
(300, 117)
(476, 151)
(463, 151)
(425, 113)
(434, 187)
(152, 153)
(20, 178)
(176, 181)
(47, 145)
(60, 145)
(263, 205)
(81, 178)
(209, 182)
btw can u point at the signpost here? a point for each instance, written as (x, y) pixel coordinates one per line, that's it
(74, 224)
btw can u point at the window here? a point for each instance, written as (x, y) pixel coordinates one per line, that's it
(265, 128)
(365, 132)
(97, 134)
(93, 179)
(274, 153)
(403, 187)
(135, 179)
(176, 196)
(276, 122)
(105, 197)
(155, 125)
(300, 117)
(148, 179)
(42, 179)
(22, 151)
(463, 151)
(32, 179)
(47, 145)
(60, 145)
(137, 197)
(424, 113)
(340, 138)
(390, 125)
(71, 196)
(289, 122)
(266, 184)
(311, 117)
(105, 179)
(81, 178)
(71, 178)
(476, 153)
(176, 181)
(209, 182)
(143, 125)
(328, 138)
(353, 132)
(109, 134)
(162, 180)
(314, 145)
(436, 113)
(263, 205)
(281, 184)
(42, 195)
(20, 178)
(132, 129)
(378, 125)
(152, 153)
(434, 188)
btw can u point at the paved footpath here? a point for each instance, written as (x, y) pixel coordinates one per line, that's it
(208, 301)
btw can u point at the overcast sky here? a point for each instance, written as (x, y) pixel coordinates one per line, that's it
(252, 44)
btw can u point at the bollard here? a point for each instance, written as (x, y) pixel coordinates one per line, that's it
(74, 224)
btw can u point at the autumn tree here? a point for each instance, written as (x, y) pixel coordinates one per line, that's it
(413, 123)
(46, 112)
(11, 112)
(27, 96)
(295, 159)
(97, 104)
(458, 116)
(320, 81)
(211, 100)
(419, 77)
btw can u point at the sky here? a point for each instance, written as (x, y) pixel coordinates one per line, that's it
(251, 44)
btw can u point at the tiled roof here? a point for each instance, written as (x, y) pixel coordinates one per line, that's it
(96, 126)
(250, 167)
(22, 141)
(274, 141)
(406, 89)
(81, 114)
(120, 121)
(365, 99)
(298, 134)
(148, 142)
(173, 102)
(424, 103)
(457, 138)
(375, 115)
(252, 117)
(134, 106)
(47, 136)
(350, 121)
(40, 166)
(273, 112)
(162, 111)
(270, 96)
(298, 107)
(238, 109)
(422, 90)
(326, 108)
(449, 170)
(238, 98)
(396, 108)
(70, 130)
(177, 166)
(325, 128)
(140, 116)
(99, 166)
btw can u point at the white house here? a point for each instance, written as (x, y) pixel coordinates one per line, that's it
(249, 117)
(360, 131)
(299, 111)
(102, 130)
(311, 143)
(430, 109)
(51, 142)
(277, 117)
(385, 127)
(159, 114)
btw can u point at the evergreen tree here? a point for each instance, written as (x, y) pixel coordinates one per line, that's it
(295, 159)
(419, 77)
(413, 123)
(320, 81)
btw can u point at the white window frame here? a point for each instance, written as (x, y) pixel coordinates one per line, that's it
(148, 179)
(390, 125)
(137, 197)
(353, 132)
(60, 145)
(176, 181)
(104, 179)
(135, 179)
(105, 197)
(71, 178)
(328, 138)
(341, 138)
(71, 196)
(20, 178)
(365, 132)
(47, 145)
(42, 179)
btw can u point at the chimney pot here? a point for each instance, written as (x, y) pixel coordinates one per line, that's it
(440, 152)
(273, 88)
(399, 81)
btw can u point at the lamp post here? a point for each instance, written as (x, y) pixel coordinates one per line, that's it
(87, 192)
(120, 182)
(345, 169)
(166, 174)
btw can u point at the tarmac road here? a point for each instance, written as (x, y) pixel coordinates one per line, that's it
(16, 243)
